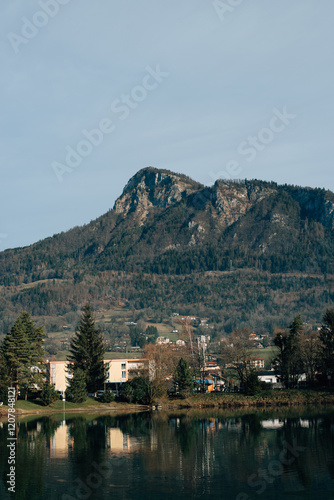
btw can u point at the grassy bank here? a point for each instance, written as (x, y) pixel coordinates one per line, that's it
(90, 405)
(264, 399)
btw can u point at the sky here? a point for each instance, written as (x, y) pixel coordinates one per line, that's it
(92, 92)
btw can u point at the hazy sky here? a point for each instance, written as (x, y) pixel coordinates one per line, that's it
(233, 89)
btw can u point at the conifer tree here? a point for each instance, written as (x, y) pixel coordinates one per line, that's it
(183, 378)
(77, 389)
(48, 394)
(4, 380)
(288, 361)
(16, 354)
(35, 336)
(21, 350)
(87, 351)
(327, 344)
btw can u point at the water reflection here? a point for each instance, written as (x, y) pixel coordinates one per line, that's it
(232, 456)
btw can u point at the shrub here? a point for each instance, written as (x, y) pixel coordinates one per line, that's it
(107, 397)
(252, 384)
(48, 394)
(137, 390)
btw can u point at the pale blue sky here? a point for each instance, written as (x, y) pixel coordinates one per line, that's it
(227, 72)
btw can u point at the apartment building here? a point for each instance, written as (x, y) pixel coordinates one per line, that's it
(119, 371)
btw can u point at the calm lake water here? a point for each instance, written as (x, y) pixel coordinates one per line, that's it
(211, 455)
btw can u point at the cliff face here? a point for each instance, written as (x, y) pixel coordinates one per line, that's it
(248, 219)
(151, 188)
(226, 201)
(232, 200)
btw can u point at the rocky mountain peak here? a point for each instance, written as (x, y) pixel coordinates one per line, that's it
(152, 187)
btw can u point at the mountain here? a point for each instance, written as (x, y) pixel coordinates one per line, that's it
(169, 236)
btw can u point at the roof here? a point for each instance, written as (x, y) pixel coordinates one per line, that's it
(207, 381)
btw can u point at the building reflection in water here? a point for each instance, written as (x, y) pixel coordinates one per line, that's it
(61, 442)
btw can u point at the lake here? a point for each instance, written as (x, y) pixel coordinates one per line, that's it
(212, 454)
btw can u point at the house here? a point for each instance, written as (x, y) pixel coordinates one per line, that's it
(212, 367)
(218, 381)
(272, 379)
(119, 371)
(204, 339)
(269, 377)
(135, 348)
(256, 363)
(254, 336)
(162, 340)
(208, 384)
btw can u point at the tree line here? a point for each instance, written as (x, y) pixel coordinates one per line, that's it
(300, 350)
(309, 352)
(22, 360)
(22, 364)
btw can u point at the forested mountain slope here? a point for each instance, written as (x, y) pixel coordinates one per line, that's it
(166, 228)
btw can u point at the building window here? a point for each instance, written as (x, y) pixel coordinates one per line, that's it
(123, 366)
(123, 374)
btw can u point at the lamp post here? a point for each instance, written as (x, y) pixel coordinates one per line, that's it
(64, 409)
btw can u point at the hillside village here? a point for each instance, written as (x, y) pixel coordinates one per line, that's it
(121, 370)
(234, 366)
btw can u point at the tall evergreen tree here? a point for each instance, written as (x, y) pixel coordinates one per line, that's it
(5, 381)
(16, 353)
(35, 336)
(288, 362)
(183, 379)
(87, 351)
(327, 344)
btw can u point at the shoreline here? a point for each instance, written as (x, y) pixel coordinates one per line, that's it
(123, 408)
(267, 399)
